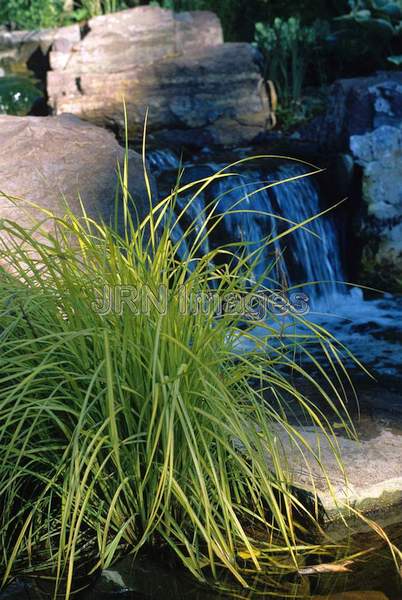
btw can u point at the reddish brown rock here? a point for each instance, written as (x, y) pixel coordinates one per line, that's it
(197, 89)
(135, 38)
(53, 160)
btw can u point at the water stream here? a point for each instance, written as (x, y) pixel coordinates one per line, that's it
(309, 259)
(309, 256)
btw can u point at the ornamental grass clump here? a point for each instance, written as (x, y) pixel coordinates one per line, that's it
(143, 423)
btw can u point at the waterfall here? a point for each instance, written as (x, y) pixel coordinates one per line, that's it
(249, 217)
(308, 257)
(193, 210)
(162, 160)
(317, 253)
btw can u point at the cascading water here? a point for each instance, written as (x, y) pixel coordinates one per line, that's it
(249, 216)
(308, 256)
(192, 210)
(315, 247)
(162, 160)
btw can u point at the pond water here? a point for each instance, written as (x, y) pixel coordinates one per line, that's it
(147, 579)
(18, 94)
(151, 578)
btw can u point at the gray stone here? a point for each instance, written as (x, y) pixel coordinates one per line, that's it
(364, 116)
(357, 106)
(379, 153)
(53, 160)
(371, 478)
(20, 46)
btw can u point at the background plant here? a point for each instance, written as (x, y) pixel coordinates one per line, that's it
(239, 17)
(93, 8)
(371, 29)
(31, 14)
(289, 50)
(40, 14)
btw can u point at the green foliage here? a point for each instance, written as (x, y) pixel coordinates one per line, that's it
(297, 113)
(227, 10)
(93, 8)
(31, 14)
(151, 427)
(307, 10)
(377, 24)
(39, 14)
(238, 17)
(289, 48)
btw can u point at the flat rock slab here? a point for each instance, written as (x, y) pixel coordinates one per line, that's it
(372, 477)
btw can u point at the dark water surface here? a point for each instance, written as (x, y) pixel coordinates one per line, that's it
(150, 578)
(18, 94)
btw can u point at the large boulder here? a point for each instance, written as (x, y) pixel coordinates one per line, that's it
(30, 48)
(379, 153)
(364, 118)
(134, 38)
(357, 106)
(53, 160)
(197, 89)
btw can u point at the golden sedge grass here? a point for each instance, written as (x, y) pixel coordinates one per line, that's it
(124, 431)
